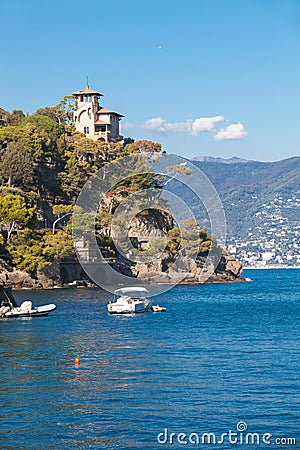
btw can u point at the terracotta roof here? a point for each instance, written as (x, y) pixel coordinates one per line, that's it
(108, 111)
(88, 91)
(101, 122)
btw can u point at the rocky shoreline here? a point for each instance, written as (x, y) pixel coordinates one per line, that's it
(201, 271)
(227, 270)
(19, 279)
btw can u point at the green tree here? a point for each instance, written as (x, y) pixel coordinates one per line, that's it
(127, 141)
(61, 212)
(50, 160)
(44, 140)
(26, 134)
(25, 250)
(61, 113)
(31, 250)
(49, 131)
(14, 213)
(16, 165)
(103, 223)
(23, 259)
(57, 245)
(83, 157)
(16, 117)
(67, 106)
(174, 240)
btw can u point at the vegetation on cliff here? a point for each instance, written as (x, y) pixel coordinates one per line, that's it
(44, 164)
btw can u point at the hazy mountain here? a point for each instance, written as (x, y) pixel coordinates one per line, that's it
(261, 201)
(233, 160)
(245, 187)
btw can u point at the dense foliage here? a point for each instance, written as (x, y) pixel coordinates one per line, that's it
(44, 164)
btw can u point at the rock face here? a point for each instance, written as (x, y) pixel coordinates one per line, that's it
(150, 231)
(143, 229)
(18, 279)
(233, 266)
(228, 269)
(216, 268)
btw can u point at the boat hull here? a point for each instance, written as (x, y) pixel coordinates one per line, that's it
(39, 311)
(130, 308)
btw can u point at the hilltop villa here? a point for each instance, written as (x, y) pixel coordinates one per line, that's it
(96, 122)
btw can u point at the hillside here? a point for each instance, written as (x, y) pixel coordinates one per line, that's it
(261, 202)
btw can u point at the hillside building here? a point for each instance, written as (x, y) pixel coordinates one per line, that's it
(92, 119)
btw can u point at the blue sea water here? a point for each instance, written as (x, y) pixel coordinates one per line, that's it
(220, 355)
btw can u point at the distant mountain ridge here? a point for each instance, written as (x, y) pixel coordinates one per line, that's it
(232, 160)
(252, 176)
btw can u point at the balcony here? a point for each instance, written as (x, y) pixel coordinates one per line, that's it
(101, 133)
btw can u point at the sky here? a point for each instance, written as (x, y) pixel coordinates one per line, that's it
(203, 77)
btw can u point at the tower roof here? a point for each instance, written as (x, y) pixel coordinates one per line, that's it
(108, 111)
(87, 91)
(101, 122)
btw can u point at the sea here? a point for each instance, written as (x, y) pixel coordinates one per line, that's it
(219, 369)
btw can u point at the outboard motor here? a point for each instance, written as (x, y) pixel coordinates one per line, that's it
(6, 297)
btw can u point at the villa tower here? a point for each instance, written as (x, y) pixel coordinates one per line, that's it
(96, 122)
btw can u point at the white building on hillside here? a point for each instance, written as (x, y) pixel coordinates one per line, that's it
(96, 122)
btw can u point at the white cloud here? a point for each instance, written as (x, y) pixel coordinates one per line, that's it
(181, 127)
(193, 127)
(198, 126)
(233, 131)
(156, 124)
(127, 126)
(205, 124)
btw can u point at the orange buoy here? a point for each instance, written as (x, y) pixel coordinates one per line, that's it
(77, 361)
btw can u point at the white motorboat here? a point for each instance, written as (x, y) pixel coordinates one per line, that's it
(27, 310)
(10, 308)
(129, 300)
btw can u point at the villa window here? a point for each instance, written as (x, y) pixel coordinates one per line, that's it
(86, 130)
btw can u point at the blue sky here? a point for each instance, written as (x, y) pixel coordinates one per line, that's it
(203, 77)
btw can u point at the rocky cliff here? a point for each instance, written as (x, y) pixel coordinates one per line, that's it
(215, 266)
(190, 272)
(228, 269)
(18, 279)
(162, 264)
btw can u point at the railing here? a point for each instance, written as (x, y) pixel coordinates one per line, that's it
(101, 133)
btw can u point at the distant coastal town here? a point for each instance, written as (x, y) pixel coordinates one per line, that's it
(273, 240)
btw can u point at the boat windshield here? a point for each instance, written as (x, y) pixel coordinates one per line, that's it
(131, 292)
